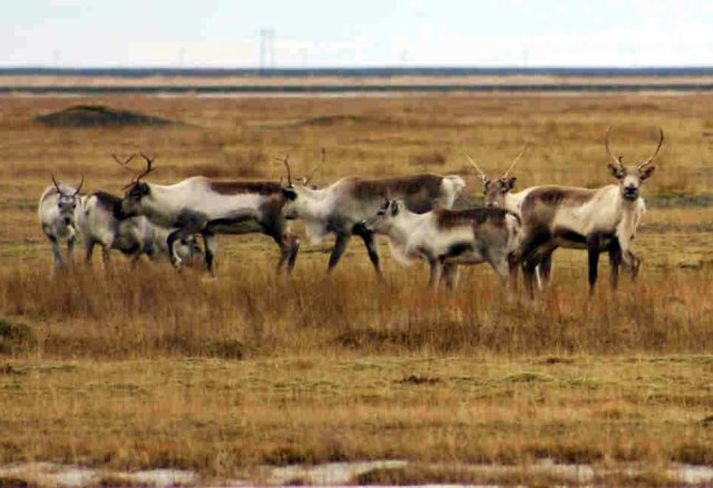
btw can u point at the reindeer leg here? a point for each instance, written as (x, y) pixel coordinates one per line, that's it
(436, 270)
(88, 250)
(545, 269)
(593, 241)
(368, 238)
(210, 244)
(530, 253)
(175, 259)
(282, 241)
(513, 265)
(614, 263)
(57, 260)
(450, 275)
(339, 248)
(294, 247)
(106, 250)
(70, 248)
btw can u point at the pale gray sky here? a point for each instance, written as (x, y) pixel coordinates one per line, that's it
(332, 33)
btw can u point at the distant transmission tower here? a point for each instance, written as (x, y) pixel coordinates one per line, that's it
(267, 48)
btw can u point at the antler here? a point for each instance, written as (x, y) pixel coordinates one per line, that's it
(149, 166)
(124, 163)
(648, 161)
(477, 168)
(505, 175)
(289, 172)
(56, 185)
(606, 143)
(81, 182)
(314, 171)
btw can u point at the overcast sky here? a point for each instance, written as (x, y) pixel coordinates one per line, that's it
(334, 33)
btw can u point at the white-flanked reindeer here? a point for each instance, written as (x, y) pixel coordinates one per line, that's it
(342, 207)
(448, 238)
(497, 194)
(598, 220)
(100, 221)
(56, 211)
(199, 205)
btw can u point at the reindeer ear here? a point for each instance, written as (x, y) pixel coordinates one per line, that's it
(394, 208)
(646, 172)
(289, 193)
(510, 183)
(616, 171)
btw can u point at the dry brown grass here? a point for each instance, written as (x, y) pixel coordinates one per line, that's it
(131, 368)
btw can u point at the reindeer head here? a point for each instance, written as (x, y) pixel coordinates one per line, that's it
(136, 190)
(296, 193)
(495, 190)
(387, 215)
(67, 202)
(631, 177)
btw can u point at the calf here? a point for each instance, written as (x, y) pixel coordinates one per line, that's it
(101, 221)
(56, 212)
(447, 238)
(342, 207)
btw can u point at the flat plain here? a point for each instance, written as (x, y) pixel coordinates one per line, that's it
(139, 367)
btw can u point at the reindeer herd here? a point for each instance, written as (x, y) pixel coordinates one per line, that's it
(510, 231)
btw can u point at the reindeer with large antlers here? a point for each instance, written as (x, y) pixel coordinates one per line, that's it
(199, 205)
(598, 220)
(56, 211)
(342, 207)
(100, 221)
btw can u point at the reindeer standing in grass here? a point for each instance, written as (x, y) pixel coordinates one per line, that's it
(449, 238)
(101, 222)
(342, 207)
(199, 205)
(598, 220)
(56, 212)
(497, 194)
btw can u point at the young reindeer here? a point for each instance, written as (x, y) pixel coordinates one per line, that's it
(56, 211)
(497, 194)
(199, 205)
(342, 207)
(598, 220)
(101, 222)
(448, 238)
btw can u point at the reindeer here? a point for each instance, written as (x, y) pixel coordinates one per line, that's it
(199, 205)
(56, 211)
(448, 238)
(101, 221)
(342, 207)
(497, 194)
(599, 220)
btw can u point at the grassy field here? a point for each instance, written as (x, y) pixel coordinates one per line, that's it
(134, 368)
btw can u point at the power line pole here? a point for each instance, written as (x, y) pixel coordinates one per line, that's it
(267, 47)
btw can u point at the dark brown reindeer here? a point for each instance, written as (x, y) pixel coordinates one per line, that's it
(598, 220)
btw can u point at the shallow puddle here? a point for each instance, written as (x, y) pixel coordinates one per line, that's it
(333, 474)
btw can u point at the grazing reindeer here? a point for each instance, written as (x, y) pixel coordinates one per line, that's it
(498, 194)
(199, 205)
(342, 207)
(101, 221)
(446, 238)
(599, 220)
(56, 211)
